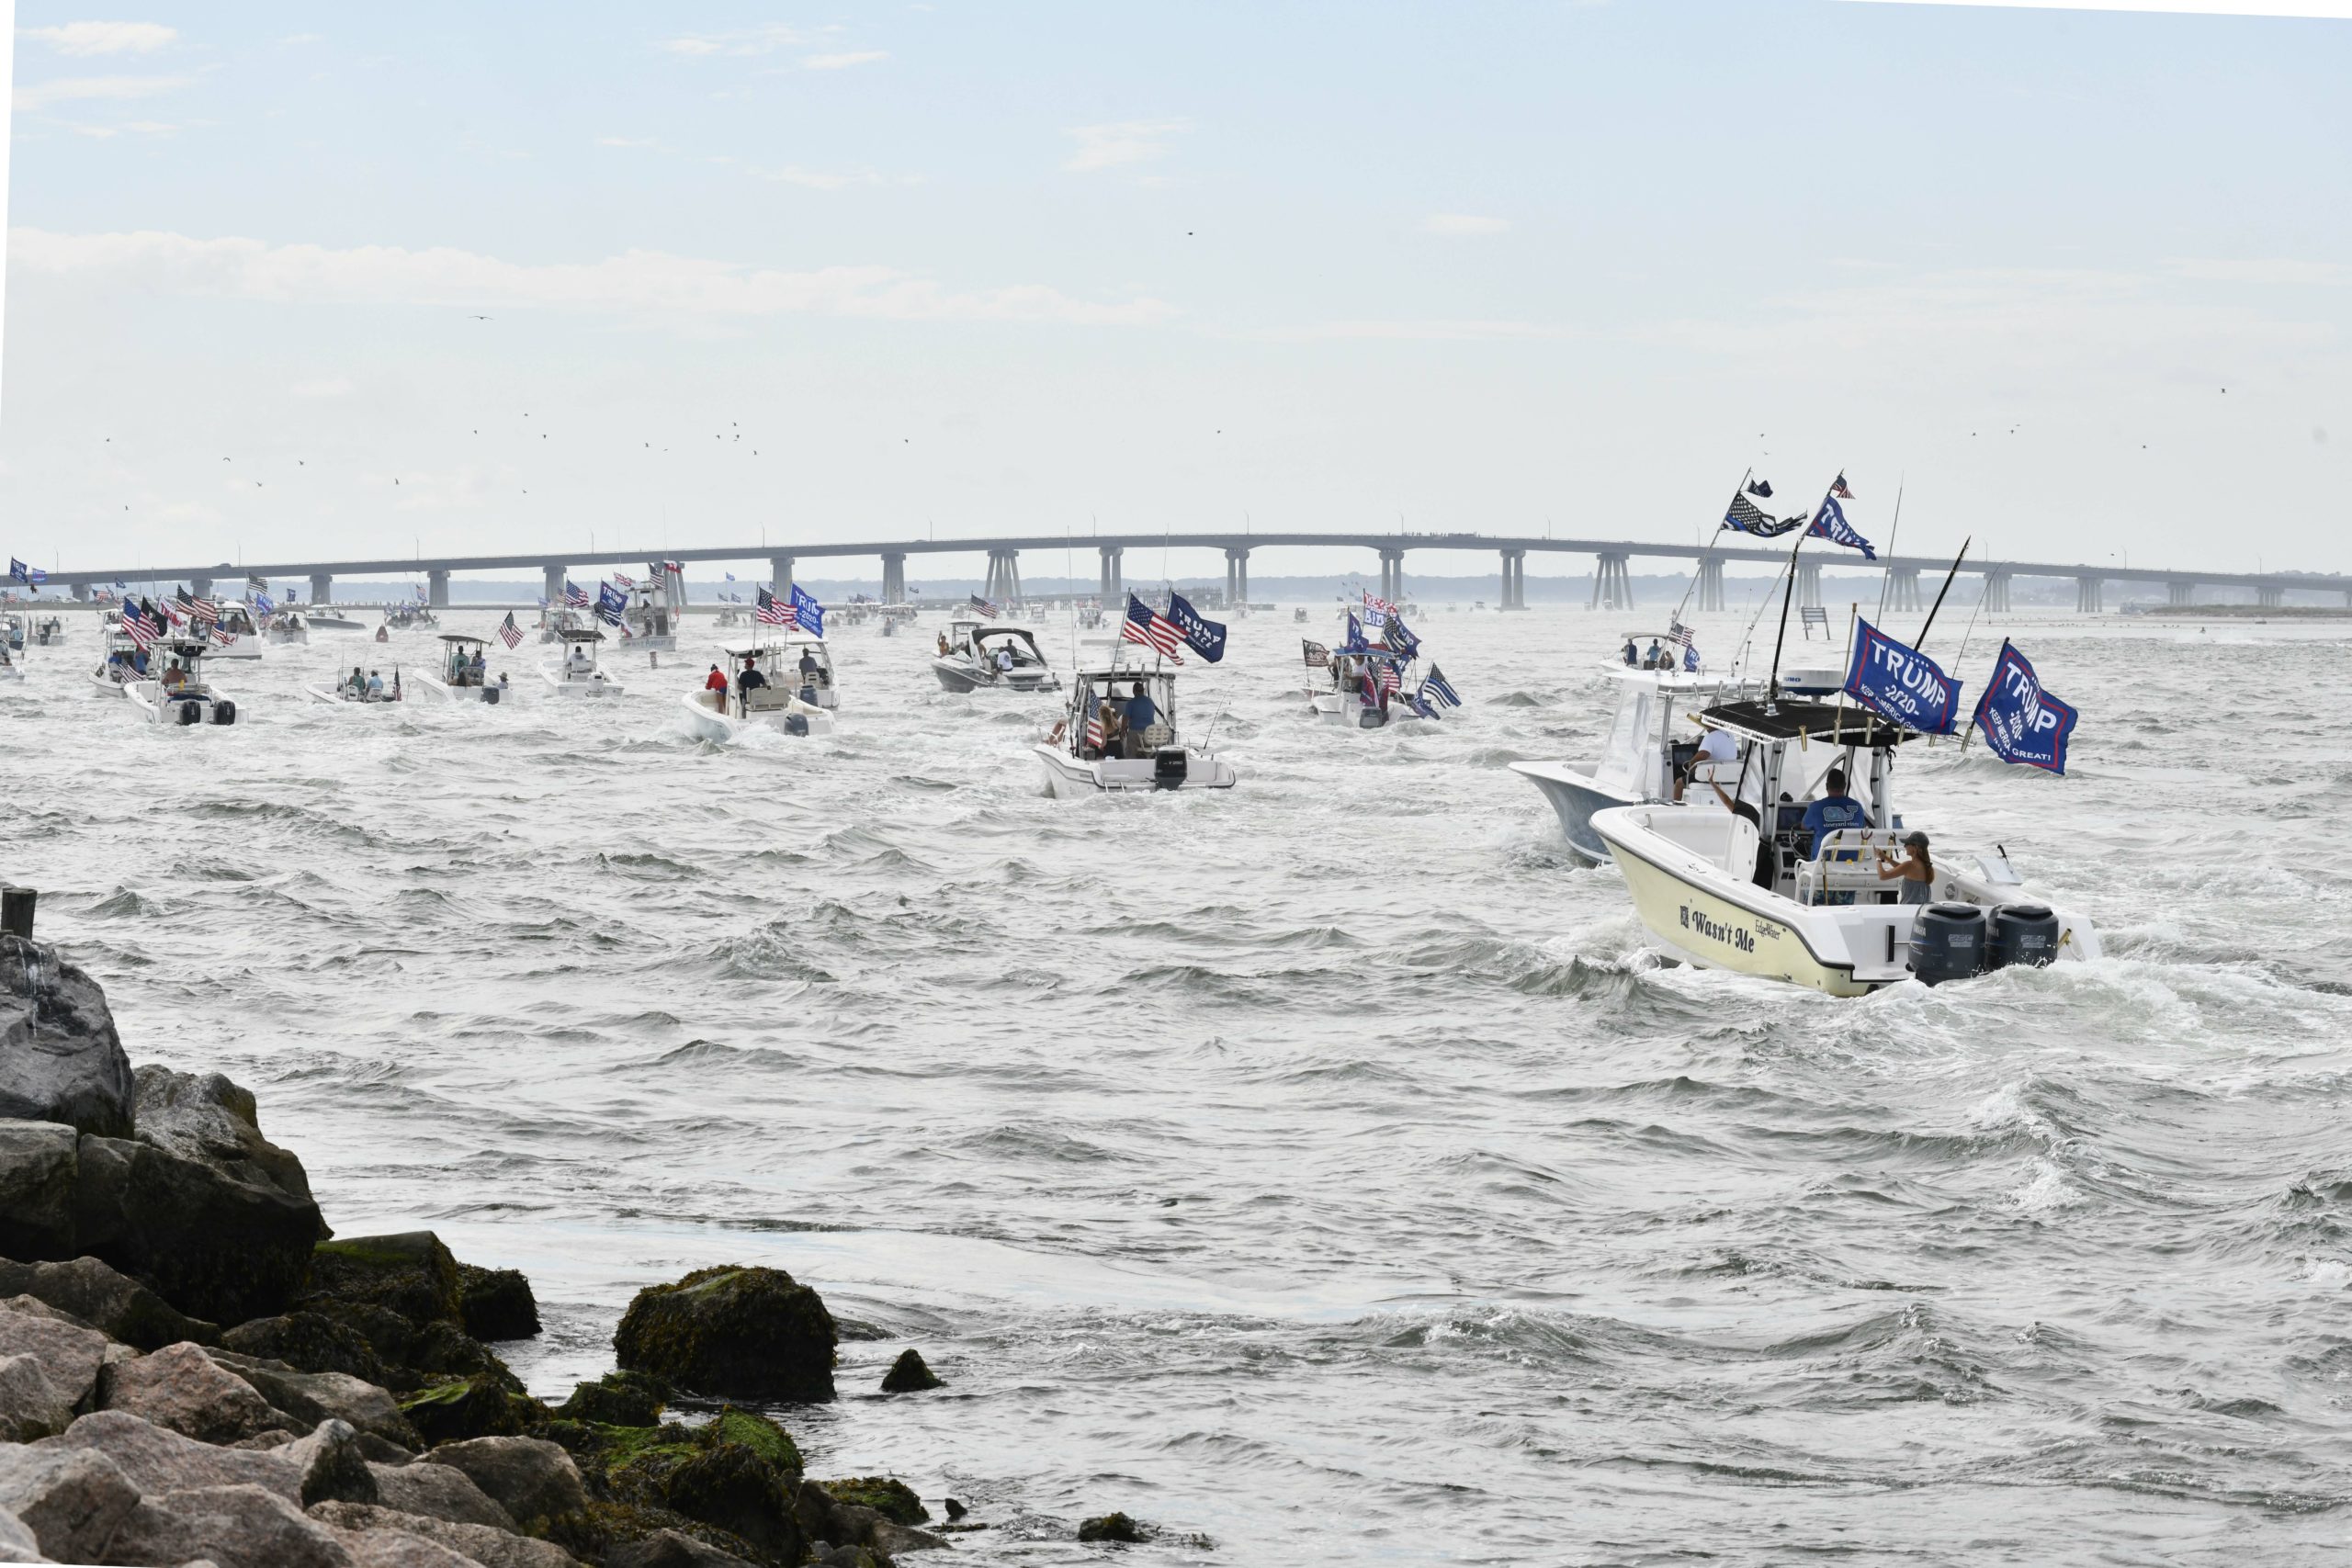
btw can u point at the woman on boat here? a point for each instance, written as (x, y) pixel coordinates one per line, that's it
(1916, 872)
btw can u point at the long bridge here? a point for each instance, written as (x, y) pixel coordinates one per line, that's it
(1611, 580)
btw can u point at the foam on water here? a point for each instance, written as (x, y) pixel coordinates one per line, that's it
(1330, 1166)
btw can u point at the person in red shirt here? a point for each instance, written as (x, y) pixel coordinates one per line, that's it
(717, 682)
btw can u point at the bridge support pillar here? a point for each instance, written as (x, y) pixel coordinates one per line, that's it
(1903, 588)
(551, 578)
(1809, 584)
(81, 592)
(437, 588)
(2178, 593)
(1004, 578)
(322, 587)
(2090, 595)
(1514, 591)
(1114, 557)
(2271, 598)
(1392, 576)
(1237, 578)
(893, 577)
(780, 576)
(1996, 593)
(1613, 584)
(1711, 585)
(200, 586)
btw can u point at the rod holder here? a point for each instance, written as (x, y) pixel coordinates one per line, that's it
(16, 906)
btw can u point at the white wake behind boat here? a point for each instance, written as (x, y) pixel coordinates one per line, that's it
(176, 692)
(1154, 757)
(576, 674)
(1716, 888)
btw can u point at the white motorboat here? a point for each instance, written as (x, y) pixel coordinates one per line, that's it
(1363, 690)
(1714, 887)
(236, 634)
(48, 632)
(123, 661)
(464, 675)
(175, 691)
(407, 617)
(324, 618)
(656, 606)
(1084, 755)
(1642, 757)
(287, 629)
(576, 674)
(784, 701)
(558, 619)
(343, 694)
(12, 631)
(992, 656)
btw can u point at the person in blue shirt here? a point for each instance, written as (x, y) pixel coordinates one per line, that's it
(1141, 712)
(1833, 811)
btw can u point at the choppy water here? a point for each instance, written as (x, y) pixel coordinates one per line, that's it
(1325, 1165)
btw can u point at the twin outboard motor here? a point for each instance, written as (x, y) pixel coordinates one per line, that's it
(224, 711)
(1167, 768)
(2022, 934)
(191, 712)
(1947, 943)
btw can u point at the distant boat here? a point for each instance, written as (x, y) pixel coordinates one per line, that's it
(1076, 764)
(576, 674)
(455, 681)
(992, 655)
(178, 692)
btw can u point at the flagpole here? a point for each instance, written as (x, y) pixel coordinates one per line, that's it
(1693, 586)
(1893, 532)
(1788, 592)
(1939, 605)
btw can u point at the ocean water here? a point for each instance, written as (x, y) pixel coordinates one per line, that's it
(1327, 1170)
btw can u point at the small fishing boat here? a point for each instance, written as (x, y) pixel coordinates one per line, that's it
(558, 619)
(48, 632)
(325, 618)
(576, 674)
(464, 675)
(408, 619)
(656, 606)
(1749, 890)
(992, 656)
(287, 628)
(779, 703)
(12, 631)
(175, 691)
(1083, 755)
(1356, 689)
(355, 691)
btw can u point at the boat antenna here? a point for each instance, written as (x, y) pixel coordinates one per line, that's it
(1893, 532)
(1944, 590)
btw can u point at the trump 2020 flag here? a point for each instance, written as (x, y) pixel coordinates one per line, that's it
(1205, 638)
(2021, 722)
(1901, 683)
(610, 603)
(1830, 524)
(808, 612)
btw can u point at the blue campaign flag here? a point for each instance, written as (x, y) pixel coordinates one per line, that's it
(731, 577)
(1901, 683)
(1205, 636)
(264, 604)
(1354, 642)
(610, 603)
(1830, 524)
(2021, 722)
(808, 612)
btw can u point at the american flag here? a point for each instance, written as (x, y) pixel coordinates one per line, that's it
(574, 595)
(257, 585)
(1679, 632)
(771, 611)
(222, 634)
(983, 608)
(204, 612)
(173, 610)
(677, 566)
(1390, 680)
(1838, 487)
(1094, 729)
(1149, 628)
(624, 582)
(508, 632)
(137, 626)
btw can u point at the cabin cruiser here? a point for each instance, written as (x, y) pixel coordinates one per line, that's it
(360, 688)
(576, 674)
(287, 628)
(1088, 753)
(235, 633)
(1746, 889)
(49, 632)
(324, 618)
(790, 701)
(175, 691)
(1642, 757)
(992, 656)
(464, 675)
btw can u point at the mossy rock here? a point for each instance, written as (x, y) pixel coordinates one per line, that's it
(886, 1494)
(733, 1333)
(615, 1524)
(737, 1473)
(496, 1303)
(309, 1342)
(472, 1407)
(445, 1350)
(908, 1374)
(757, 1433)
(411, 1274)
(1112, 1528)
(618, 1399)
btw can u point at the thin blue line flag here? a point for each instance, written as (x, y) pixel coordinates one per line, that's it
(1901, 683)
(1205, 638)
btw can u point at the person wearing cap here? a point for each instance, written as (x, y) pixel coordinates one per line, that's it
(375, 685)
(1716, 749)
(1916, 872)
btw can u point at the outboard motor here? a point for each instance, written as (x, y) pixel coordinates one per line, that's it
(1167, 768)
(490, 694)
(808, 696)
(796, 724)
(1947, 943)
(191, 712)
(2022, 934)
(224, 711)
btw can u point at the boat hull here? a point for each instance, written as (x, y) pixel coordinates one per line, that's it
(706, 723)
(1351, 711)
(434, 686)
(962, 677)
(239, 648)
(593, 687)
(1072, 778)
(156, 705)
(1573, 798)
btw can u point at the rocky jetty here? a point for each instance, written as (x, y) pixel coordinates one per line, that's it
(194, 1367)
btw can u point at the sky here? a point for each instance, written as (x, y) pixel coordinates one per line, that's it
(289, 281)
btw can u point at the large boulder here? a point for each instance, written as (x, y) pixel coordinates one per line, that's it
(410, 1275)
(159, 1461)
(439, 1492)
(71, 1499)
(107, 1300)
(333, 1464)
(312, 1397)
(534, 1481)
(618, 1399)
(737, 1333)
(309, 1342)
(472, 1407)
(739, 1472)
(671, 1549)
(40, 1165)
(485, 1544)
(232, 1527)
(60, 1057)
(30, 1405)
(908, 1374)
(206, 1118)
(70, 1353)
(398, 1549)
(496, 1303)
(182, 1388)
(19, 1544)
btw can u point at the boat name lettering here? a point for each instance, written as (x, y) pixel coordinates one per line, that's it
(1713, 930)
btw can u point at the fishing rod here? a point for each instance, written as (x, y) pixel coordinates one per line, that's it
(1893, 532)
(1949, 575)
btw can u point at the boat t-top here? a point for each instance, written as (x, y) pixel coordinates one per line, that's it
(576, 674)
(766, 687)
(1119, 734)
(175, 691)
(1745, 888)
(992, 656)
(464, 675)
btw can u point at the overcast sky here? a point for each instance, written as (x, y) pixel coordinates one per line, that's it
(865, 271)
